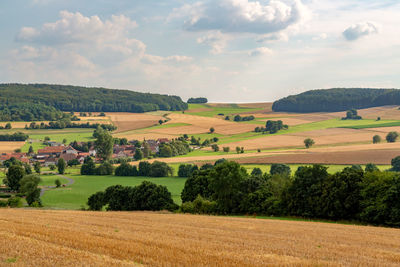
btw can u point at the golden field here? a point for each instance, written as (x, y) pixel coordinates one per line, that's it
(78, 238)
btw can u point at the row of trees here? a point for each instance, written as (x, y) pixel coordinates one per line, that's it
(272, 127)
(244, 118)
(83, 99)
(22, 111)
(18, 136)
(66, 123)
(338, 99)
(368, 196)
(146, 196)
(197, 100)
(19, 178)
(155, 169)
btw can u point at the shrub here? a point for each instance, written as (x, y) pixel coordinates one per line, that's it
(105, 169)
(96, 201)
(160, 169)
(14, 202)
(308, 142)
(186, 170)
(125, 169)
(226, 149)
(146, 196)
(392, 137)
(277, 168)
(376, 139)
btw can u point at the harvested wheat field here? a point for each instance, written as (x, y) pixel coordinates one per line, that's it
(6, 147)
(380, 156)
(67, 238)
(132, 121)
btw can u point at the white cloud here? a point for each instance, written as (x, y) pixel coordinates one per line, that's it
(359, 30)
(241, 16)
(273, 37)
(216, 40)
(76, 28)
(260, 51)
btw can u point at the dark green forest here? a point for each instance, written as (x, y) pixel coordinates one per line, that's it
(337, 99)
(42, 101)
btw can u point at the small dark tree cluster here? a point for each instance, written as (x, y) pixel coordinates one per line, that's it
(352, 115)
(244, 118)
(146, 196)
(198, 100)
(272, 127)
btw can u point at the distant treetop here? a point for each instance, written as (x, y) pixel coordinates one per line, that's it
(85, 99)
(337, 99)
(198, 100)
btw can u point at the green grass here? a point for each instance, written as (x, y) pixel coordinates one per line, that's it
(378, 125)
(76, 195)
(227, 111)
(56, 135)
(49, 180)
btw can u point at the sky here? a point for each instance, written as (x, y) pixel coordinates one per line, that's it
(225, 50)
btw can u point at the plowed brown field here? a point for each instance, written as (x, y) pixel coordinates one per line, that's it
(74, 238)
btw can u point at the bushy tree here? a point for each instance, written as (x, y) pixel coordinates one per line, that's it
(96, 201)
(277, 168)
(225, 183)
(125, 169)
(160, 169)
(37, 167)
(308, 142)
(144, 168)
(14, 175)
(104, 144)
(256, 172)
(370, 167)
(61, 166)
(396, 164)
(57, 182)
(186, 170)
(106, 168)
(29, 187)
(376, 139)
(146, 196)
(392, 137)
(304, 194)
(138, 154)
(215, 147)
(88, 167)
(197, 184)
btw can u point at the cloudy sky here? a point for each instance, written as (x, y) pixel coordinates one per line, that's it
(226, 50)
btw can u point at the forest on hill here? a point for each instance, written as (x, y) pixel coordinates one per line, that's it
(85, 99)
(337, 99)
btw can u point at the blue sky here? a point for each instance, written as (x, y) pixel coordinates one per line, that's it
(226, 50)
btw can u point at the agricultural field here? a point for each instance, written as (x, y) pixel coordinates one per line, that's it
(332, 135)
(52, 238)
(76, 195)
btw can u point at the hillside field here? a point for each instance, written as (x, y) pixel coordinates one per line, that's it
(70, 238)
(336, 141)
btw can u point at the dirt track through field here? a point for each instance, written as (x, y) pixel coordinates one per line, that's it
(71, 238)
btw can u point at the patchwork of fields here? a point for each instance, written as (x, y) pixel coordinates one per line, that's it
(70, 238)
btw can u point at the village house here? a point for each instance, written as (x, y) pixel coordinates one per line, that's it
(19, 156)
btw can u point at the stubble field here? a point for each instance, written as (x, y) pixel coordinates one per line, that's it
(71, 238)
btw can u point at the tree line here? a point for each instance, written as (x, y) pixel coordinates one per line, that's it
(66, 123)
(18, 136)
(337, 99)
(85, 99)
(197, 100)
(352, 194)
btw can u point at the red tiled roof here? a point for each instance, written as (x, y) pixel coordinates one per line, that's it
(51, 149)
